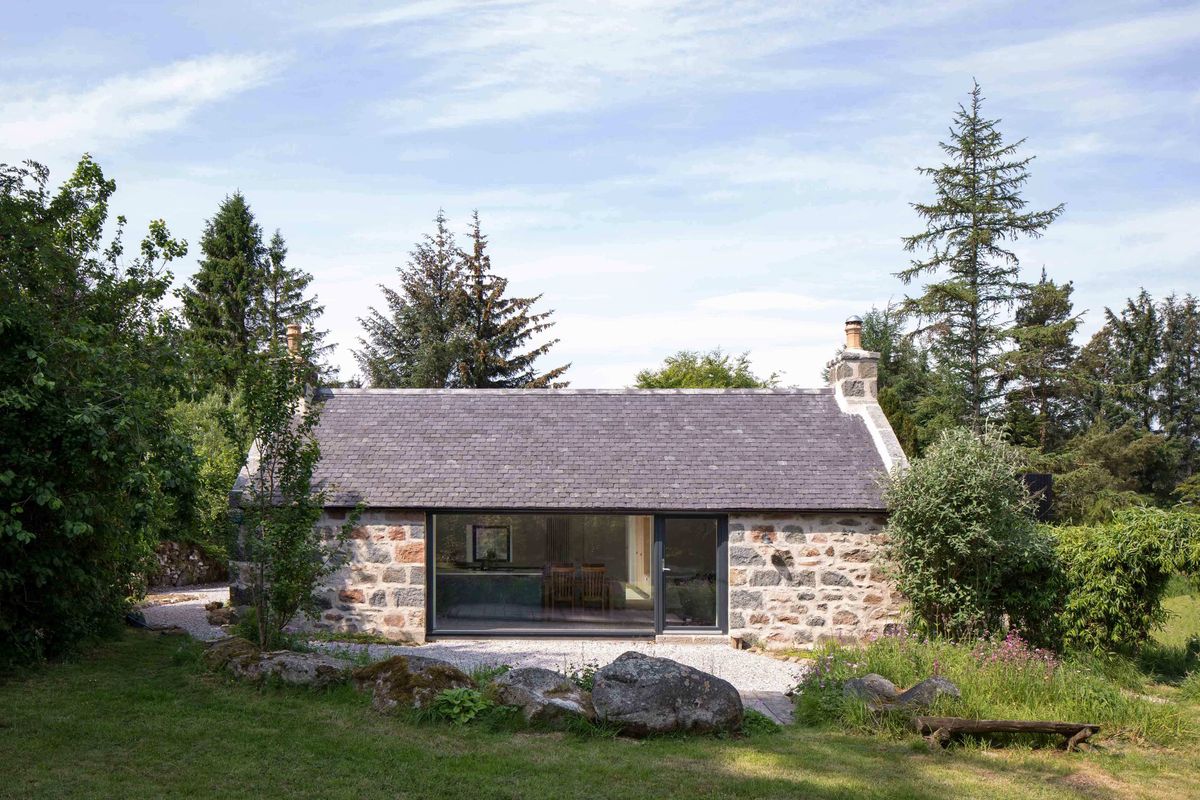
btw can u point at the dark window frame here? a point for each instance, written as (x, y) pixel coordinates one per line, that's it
(656, 567)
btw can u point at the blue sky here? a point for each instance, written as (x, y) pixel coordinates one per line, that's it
(667, 174)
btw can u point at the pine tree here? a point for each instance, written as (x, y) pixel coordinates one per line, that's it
(978, 210)
(284, 300)
(220, 300)
(496, 327)
(1040, 407)
(417, 343)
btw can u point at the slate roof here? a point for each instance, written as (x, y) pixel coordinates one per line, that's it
(622, 450)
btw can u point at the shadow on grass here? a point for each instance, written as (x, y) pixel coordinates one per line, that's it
(139, 718)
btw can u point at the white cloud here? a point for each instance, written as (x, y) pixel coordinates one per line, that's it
(765, 301)
(519, 60)
(1088, 48)
(123, 108)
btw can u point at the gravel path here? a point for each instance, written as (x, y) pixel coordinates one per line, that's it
(761, 680)
(183, 607)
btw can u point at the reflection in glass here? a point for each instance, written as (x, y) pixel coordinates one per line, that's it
(528, 572)
(690, 572)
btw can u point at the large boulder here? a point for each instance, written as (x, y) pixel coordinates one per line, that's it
(412, 681)
(295, 669)
(231, 649)
(877, 691)
(544, 696)
(922, 696)
(644, 695)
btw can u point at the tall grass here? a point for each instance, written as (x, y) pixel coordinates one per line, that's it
(998, 679)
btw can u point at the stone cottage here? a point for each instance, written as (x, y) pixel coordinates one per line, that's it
(749, 514)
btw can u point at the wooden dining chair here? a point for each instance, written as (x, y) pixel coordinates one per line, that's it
(593, 586)
(562, 585)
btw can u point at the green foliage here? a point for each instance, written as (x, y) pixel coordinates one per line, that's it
(460, 706)
(1117, 575)
(583, 675)
(208, 425)
(495, 328)
(689, 369)
(450, 323)
(241, 299)
(964, 549)
(91, 470)
(756, 723)
(286, 554)
(977, 213)
(1039, 406)
(483, 675)
(998, 679)
(1190, 688)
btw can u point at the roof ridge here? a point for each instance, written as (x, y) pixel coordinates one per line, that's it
(329, 391)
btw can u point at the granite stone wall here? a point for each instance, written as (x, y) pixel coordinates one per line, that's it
(381, 589)
(800, 579)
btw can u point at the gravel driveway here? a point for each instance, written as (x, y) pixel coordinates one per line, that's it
(760, 679)
(747, 671)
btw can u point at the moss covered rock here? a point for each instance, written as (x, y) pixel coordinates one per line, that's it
(231, 649)
(408, 681)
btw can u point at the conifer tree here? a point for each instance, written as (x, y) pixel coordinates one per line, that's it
(1179, 379)
(220, 300)
(417, 343)
(1131, 347)
(284, 300)
(495, 328)
(1035, 374)
(977, 213)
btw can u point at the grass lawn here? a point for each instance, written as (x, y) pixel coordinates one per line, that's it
(138, 718)
(1184, 621)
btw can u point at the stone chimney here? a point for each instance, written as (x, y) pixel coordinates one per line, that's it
(854, 372)
(293, 339)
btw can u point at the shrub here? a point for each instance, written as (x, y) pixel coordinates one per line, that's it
(206, 424)
(999, 679)
(90, 470)
(964, 549)
(1117, 575)
(460, 706)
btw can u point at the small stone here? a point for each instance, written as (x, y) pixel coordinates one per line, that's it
(410, 552)
(834, 579)
(351, 596)
(845, 618)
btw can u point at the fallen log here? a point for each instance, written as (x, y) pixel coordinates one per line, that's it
(938, 730)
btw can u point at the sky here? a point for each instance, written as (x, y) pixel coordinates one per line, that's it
(665, 174)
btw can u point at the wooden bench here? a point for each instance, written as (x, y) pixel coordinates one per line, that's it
(938, 730)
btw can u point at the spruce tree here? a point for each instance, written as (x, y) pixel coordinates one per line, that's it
(976, 214)
(285, 300)
(221, 298)
(1179, 379)
(417, 343)
(495, 328)
(1041, 411)
(1133, 349)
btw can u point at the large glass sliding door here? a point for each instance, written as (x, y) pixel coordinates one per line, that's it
(542, 573)
(585, 574)
(693, 573)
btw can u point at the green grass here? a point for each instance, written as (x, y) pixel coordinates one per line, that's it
(138, 718)
(998, 680)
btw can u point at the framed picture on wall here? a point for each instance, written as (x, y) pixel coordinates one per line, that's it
(491, 542)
